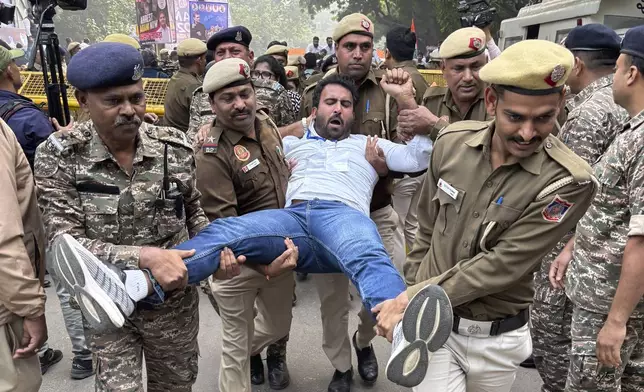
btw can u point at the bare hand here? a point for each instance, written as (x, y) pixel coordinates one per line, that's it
(291, 165)
(558, 268)
(419, 121)
(59, 127)
(390, 313)
(286, 262)
(228, 265)
(200, 137)
(167, 266)
(488, 33)
(376, 156)
(397, 83)
(609, 343)
(34, 335)
(150, 118)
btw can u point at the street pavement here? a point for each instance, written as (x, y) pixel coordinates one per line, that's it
(310, 370)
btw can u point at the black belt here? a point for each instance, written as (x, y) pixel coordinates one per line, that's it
(501, 326)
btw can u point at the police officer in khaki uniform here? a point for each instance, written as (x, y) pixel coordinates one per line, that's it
(280, 53)
(498, 197)
(241, 169)
(354, 38)
(192, 64)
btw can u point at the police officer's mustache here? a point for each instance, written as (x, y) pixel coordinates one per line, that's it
(122, 120)
(241, 112)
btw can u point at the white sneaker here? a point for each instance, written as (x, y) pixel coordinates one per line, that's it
(99, 291)
(425, 327)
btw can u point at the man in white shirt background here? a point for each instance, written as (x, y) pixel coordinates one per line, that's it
(315, 46)
(330, 46)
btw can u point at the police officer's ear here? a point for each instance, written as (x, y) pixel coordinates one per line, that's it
(387, 54)
(492, 96)
(81, 97)
(251, 57)
(578, 66)
(442, 65)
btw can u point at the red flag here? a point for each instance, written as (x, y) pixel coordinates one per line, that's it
(413, 26)
(413, 29)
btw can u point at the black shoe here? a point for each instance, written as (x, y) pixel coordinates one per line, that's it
(256, 370)
(81, 368)
(50, 358)
(367, 362)
(341, 382)
(278, 376)
(46, 283)
(302, 276)
(528, 363)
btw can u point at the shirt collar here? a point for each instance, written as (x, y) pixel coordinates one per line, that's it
(233, 137)
(144, 147)
(636, 121)
(448, 99)
(483, 139)
(585, 94)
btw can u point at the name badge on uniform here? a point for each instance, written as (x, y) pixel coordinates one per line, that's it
(447, 188)
(253, 164)
(337, 161)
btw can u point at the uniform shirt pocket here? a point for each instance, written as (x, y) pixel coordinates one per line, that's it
(101, 216)
(498, 218)
(167, 222)
(609, 192)
(373, 124)
(449, 210)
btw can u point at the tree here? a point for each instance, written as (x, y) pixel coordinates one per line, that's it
(98, 20)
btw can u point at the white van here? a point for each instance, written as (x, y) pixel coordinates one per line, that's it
(552, 19)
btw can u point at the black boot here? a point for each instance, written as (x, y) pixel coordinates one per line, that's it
(341, 382)
(50, 358)
(278, 376)
(81, 368)
(528, 363)
(256, 370)
(367, 362)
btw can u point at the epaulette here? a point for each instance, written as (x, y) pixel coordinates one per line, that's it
(435, 92)
(63, 141)
(168, 135)
(309, 88)
(263, 116)
(199, 90)
(463, 126)
(211, 142)
(580, 171)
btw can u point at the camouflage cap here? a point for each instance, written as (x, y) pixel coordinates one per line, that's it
(280, 50)
(123, 39)
(191, 47)
(531, 67)
(463, 43)
(8, 56)
(354, 23)
(226, 73)
(292, 72)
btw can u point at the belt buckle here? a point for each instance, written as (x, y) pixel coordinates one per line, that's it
(474, 328)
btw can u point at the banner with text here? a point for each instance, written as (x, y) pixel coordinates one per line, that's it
(207, 18)
(156, 21)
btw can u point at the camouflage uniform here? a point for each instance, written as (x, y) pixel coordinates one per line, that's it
(169, 66)
(85, 193)
(593, 122)
(270, 95)
(591, 281)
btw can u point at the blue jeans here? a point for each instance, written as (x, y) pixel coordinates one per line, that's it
(331, 238)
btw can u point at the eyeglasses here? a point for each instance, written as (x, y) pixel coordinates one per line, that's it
(262, 75)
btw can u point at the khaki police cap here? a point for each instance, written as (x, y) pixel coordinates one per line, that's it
(463, 43)
(296, 60)
(191, 47)
(226, 73)
(72, 46)
(532, 67)
(354, 23)
(280, 50)
(164, 51)
(292, 72)
(123, 39)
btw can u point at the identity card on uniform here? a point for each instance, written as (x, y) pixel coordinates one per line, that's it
(447, 188)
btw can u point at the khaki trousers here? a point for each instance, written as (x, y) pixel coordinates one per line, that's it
(333, 290)
(405, 203)
(477, 364)
(243, 333)
(21, 375)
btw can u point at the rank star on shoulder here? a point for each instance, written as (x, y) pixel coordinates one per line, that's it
(210, 139)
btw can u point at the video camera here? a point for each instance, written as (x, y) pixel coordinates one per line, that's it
(477, 13)
(38, 6)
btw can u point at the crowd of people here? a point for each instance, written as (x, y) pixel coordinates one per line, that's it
(483, 222)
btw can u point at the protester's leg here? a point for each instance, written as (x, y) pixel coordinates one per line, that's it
(17, 374)
(347, 238)
(259, 236)
(119, 357)
(333, 290)
(170, 342)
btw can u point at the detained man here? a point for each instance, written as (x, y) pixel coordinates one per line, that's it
(327, 219)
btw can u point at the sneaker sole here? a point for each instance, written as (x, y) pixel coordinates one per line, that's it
(429, 317)
(99, 310)
(409, 366)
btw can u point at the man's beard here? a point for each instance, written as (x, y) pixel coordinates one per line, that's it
(322, 126)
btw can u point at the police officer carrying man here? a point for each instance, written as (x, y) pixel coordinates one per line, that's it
(606, 271)
(243, 154)
(192, 65)
(235, 42)
(126, 190)
(491, 190)
(354, 38)
(594, 120)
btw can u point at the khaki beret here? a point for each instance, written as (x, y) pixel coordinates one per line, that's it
(122, 39)
(164, 51)
(531, 67)
(72, 46)
(463, 43)
(354, 23)
(296, 60)
(292, 72)
(191, 47)
(278, 50)
(229, 72)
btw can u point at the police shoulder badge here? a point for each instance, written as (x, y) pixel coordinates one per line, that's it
(556, 210)
(210, 146)
(138, 72)
(238, 37)
(476, 43)
(365, 24)
(241, 153)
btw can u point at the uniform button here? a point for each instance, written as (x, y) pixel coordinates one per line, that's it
(476, 214)
(489, 184)
(465, 244)
(548, 145)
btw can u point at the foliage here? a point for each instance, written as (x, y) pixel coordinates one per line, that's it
(98, 20)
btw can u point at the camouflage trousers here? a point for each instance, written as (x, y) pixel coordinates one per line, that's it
(166, 334)
(585, 374)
